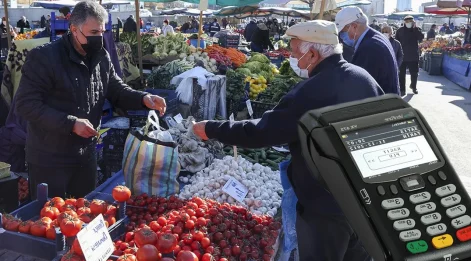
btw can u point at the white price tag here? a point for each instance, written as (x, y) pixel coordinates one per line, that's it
(95, 240)
(249, 107)
(178, 118)
(231, 118)
(235, 189)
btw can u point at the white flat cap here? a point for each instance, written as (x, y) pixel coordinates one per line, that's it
(317, 31)
(347, 15)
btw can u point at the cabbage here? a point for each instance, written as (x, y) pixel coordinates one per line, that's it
(258, 57)
(173, 53)
(243, 71)
(253, 66)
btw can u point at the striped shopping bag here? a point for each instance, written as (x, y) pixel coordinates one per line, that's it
(150, 165)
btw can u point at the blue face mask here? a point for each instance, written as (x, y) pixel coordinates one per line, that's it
(346, 39)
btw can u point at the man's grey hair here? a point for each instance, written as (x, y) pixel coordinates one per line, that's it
(325, 50)
(362, 20)
(88, 9)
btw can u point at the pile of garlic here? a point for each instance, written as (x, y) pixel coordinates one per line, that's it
(263, 184)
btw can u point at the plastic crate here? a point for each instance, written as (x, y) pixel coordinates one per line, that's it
(115, 137)
(43, 248)
(113, 153)
(278, 60)
(259, 108)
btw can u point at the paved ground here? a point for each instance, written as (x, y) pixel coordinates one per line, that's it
(447, 108)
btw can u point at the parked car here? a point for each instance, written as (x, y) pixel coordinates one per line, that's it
(145, 13)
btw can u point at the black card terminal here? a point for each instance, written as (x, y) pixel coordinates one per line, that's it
(384, 166)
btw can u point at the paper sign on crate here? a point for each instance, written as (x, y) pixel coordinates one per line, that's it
(235, 189)
(95, 240)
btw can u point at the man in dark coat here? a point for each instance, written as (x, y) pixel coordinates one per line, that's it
(61, 95)
(409, 36)
(373, 52)
(322, 230)
(214, 27)
(261, 39)
(396, 45)
(22, 24)
(431, 33)
(375, 25)
(249, 30)
(130, 25)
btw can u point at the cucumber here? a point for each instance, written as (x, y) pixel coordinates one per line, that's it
(272, 157)
(249, 159)
(263, 154)
(256, 158)
(272, 164)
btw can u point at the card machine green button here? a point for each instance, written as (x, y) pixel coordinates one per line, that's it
(418, 246)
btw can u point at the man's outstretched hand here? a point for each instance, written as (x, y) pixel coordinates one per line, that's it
(199, 130)
(155, 102)
(84, 128)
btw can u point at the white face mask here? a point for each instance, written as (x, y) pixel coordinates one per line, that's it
(293, 62)
(386, 34)
(409, 25)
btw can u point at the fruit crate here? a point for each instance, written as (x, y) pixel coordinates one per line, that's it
(43, 248)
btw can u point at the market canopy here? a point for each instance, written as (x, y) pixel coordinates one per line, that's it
(56, 4)
(401, 15)
(450, 11)
(173, 11)
(197, 12)
(453, 3)
(212, 2)
(284, 11)
(235, 10)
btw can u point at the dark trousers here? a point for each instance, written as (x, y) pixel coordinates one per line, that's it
(256, 48)
(328, 238)
(414, 74)
(76, 181)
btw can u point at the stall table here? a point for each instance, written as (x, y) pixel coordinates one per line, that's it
(457, 71)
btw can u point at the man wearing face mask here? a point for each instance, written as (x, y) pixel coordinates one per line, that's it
(409, 36)
(373, 52)
(322, 230)
(61, 95)
(396, 45)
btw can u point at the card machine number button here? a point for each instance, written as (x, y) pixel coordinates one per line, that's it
(436, 229)
(464, 234)
(392, 203)
(445, 190)
(420, 197)
(425, 208)
(416, 247)
(398, 213)
(451, 200)
(456, 211)
(431, 218)
(461, 221)
(442, 241)
(432, 180)
(404, 224)
(410, 235)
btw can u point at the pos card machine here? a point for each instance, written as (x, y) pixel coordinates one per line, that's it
(384, 166)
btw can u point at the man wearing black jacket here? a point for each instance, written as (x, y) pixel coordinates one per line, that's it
(249, 30)
(61, 95)
(322, 230)
(409, 36)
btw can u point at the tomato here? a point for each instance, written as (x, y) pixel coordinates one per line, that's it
(205, 242)
(154, 225)
(167, 259)
(111, 210)
(162, 221)
(64, 215)
(56, 202)
(147, 253)
(51, 233)
(51, 212)
(207, 257)
(71, 257)
(190, 224)
(83, 210)
(81, 202)
(201, 221)
(235, 250)
(129, 236)
(166, 243)
(145, 236)
(86, 218)
(71, 202)
(98, 207)
(198, 235)
(76, 248)
(127, 257)
(38, 229)
(195, 245)
(110, 219)
(13, 225)
(186, 256)
(70, 226)
(25, 226)
(121, 193)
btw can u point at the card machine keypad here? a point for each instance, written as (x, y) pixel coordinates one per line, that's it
(429, 217)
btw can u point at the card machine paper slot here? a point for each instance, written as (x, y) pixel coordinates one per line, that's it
(379, 150)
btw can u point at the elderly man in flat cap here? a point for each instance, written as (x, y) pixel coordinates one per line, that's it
(409, 36)
(373, 52)
(323, 231)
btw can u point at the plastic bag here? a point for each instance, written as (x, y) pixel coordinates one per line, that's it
(288, 210)
(158, 133)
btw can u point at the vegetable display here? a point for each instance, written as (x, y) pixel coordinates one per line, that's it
(170, 45)
(193, 155)
(202, 59)
(268, 157)
(160, 77)
(217, 53)
(195, 229)
(235, 87)
(262, 182)
(278, 88)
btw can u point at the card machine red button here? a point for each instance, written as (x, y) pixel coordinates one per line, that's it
(464, 234)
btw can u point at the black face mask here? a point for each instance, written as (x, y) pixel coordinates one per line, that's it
(93, 45)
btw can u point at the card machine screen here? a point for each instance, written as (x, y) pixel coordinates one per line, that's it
(389, 148)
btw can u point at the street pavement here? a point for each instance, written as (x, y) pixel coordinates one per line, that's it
(447, 108)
